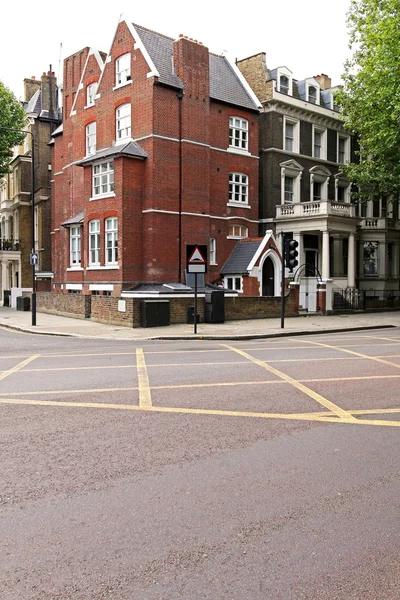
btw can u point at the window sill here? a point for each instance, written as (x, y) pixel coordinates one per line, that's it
(213, 264)
(102, 267)
(236, 237)
(238, 151)
(88, 106)
(102, 196)
(75, 269)
(239, 204)
(120, 85)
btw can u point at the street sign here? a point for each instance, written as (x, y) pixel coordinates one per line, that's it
(33, 258)
(196, 259)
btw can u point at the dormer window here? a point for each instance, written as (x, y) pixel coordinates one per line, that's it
(284, 84)
(284, 81)
(312, 94)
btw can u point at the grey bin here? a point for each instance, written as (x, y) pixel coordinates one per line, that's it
(154, 313)
(214, 306)
(23, 303)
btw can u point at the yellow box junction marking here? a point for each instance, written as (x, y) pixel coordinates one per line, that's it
(143, 380)
(321, 417)
(339, 412)
(19, 366)
(359, 354)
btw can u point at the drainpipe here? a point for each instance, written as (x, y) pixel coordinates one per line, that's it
(179, 95)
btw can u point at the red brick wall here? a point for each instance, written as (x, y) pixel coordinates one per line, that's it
(149, 241)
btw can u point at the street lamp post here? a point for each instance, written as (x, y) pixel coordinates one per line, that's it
(33, 262)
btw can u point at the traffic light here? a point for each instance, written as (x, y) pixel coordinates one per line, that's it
(291, 254)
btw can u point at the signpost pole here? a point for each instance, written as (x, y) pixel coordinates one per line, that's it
(283, 284)
(195, 303)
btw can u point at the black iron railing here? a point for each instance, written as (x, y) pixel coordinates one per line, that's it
(381, 299)
(6, 244)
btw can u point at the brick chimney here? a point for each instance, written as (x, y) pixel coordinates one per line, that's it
(31, 86)
(324, 81)
(49, 82)
(192, 66)
(254, 70)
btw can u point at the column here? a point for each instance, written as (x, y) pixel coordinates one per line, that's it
(351, 263)
(325, 255)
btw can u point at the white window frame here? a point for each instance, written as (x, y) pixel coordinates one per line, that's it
(111, 241)
(75, 246)
(94, 242)
(91, 138)
(342, 183)
(313, 84)
(123, 69)
(293, 170)
(312, 94)
(213, 251)
(346, 140)
(123, 122)
(233, 282)
(238, 189)
(284, 72)
(289, 190)
(103, 179)
(237, 232)
(371, 259)
(319, 175)
(238, 134)
(295, 139)
(322, 146)
(283, 88)
(91, 91)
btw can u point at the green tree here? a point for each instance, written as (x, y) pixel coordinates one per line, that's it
(11, 117)
(370, 100)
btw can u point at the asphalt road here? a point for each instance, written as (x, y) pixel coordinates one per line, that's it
(259, 470)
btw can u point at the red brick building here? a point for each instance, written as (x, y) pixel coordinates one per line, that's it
(158, 150)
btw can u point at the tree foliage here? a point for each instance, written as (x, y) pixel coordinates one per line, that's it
(370, 100)
(11, 117)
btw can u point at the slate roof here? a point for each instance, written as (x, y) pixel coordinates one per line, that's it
(78, 218)
(225, 84)
(130, 149)
(240, 258)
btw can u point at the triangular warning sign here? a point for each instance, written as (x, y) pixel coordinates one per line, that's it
(196, 257)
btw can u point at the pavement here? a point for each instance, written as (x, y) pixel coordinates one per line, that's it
(48, 324)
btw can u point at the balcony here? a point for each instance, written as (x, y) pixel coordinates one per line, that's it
(317, 208)
(10, 245)
(379, 223)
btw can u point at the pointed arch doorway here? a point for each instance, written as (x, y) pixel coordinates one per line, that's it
(268, 277)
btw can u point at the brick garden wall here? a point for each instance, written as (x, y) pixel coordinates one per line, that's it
(104, 309)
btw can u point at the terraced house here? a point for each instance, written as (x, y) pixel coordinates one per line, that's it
(158, 150)
(305, 195)
(41, 118)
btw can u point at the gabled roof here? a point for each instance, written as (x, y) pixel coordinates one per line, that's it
(225, 82)
(240, 259)
(130, 149)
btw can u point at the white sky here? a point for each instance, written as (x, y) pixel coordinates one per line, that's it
(308, 36)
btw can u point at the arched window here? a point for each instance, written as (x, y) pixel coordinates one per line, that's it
(284, 84)
(123, 122)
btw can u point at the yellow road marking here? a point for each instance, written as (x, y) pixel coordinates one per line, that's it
(375, 358)
(210, 412)
(87, 391)
(296, 384)
(143, 380)
(195, 385)
(18, 367)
